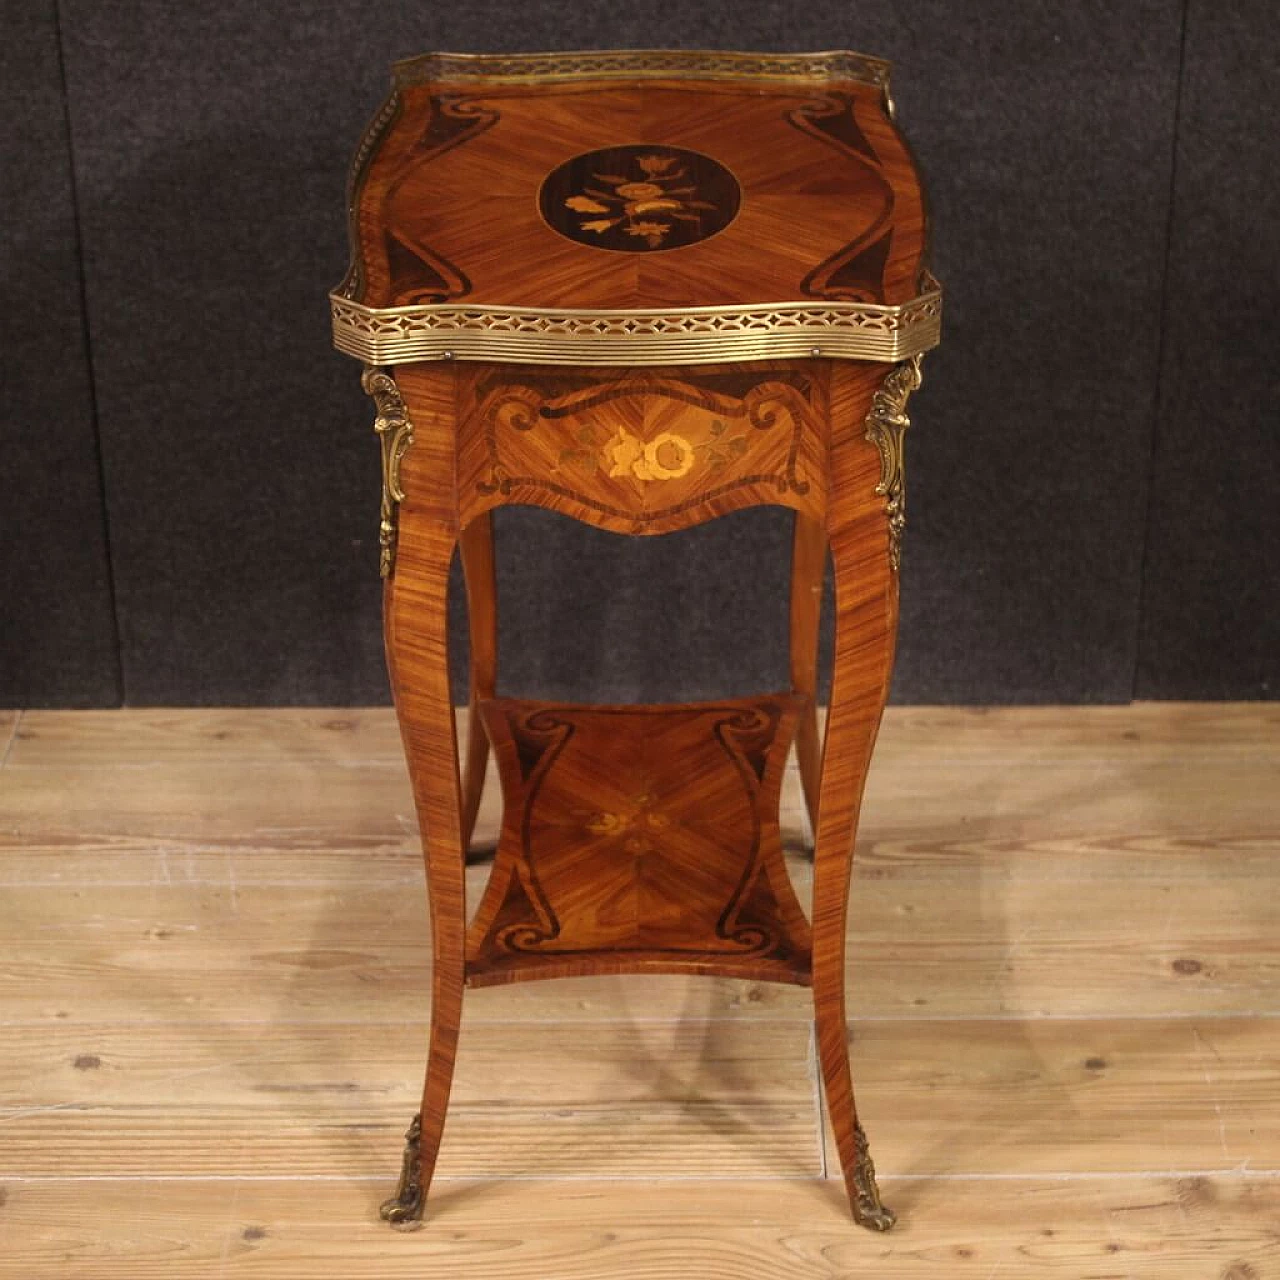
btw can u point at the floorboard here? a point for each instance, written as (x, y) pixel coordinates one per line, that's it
(1064, 988)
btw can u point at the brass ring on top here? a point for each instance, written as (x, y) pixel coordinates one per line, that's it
(694, 335)
(640, 64)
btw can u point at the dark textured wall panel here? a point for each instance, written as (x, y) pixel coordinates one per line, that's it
(700, 613)
(241, 477)
(57, 637)
(1211, 617)
(212, 146)
(1047, 137)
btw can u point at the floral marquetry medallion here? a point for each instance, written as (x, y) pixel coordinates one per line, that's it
(641, 451)
(637, 198)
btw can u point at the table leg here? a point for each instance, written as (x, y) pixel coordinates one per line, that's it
(476, 545)
(866, 608)
(808, 562)
(415, 624)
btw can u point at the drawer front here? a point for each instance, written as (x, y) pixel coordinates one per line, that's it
(642, 451)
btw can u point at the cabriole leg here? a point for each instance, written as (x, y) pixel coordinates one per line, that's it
(476, 544)
(416, 632)
(866, 594)
(808, 561)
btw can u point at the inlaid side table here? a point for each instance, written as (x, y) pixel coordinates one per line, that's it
(642, 289)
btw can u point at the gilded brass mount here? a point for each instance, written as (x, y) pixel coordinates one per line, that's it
(887, 422)
(868, 1210)
(691, 335)
(404, 1209)
(828, 66)
(395, 435)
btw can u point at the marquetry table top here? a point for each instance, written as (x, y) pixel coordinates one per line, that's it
(637, 207)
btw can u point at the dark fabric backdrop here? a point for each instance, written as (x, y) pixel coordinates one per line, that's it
(191, 482)
(57, 630)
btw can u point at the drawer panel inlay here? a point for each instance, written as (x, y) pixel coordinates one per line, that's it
(642, 451)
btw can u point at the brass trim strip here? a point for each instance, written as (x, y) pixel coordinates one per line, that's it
(353, 281)
(637, 64)
(694, 335)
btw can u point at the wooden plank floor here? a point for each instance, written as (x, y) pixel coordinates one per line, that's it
(1064, 983)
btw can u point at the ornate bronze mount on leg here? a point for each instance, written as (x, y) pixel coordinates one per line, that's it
(404, 1210)
(868, 1210)
(886, 424)
(395, 434)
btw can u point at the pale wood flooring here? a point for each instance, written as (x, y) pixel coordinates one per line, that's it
(1064, 985)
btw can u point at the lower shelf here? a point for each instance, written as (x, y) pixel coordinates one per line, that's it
(640, 839)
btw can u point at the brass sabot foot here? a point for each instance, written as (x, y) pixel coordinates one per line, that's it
(868, 1210)
(878, 1218)
(404, 1209)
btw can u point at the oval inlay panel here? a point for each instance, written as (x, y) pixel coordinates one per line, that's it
(639, 199)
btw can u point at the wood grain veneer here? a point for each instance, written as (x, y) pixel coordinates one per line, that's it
(639, 839)
(828, 200)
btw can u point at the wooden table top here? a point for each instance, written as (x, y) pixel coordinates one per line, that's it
(571, 202)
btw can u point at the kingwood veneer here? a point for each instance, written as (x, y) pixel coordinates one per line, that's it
(641, 289)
